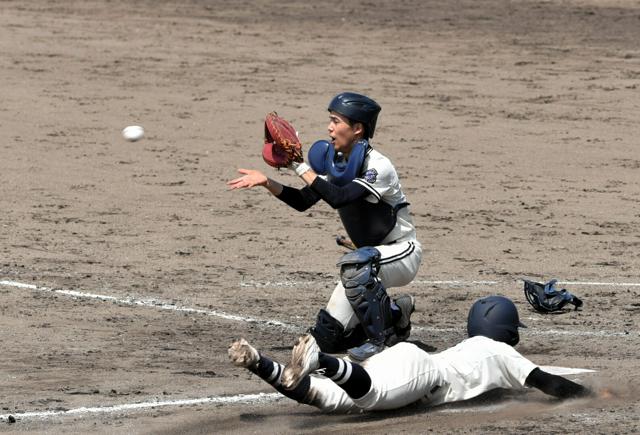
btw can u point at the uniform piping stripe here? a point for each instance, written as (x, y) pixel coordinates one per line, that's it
(347, 375)
(399, 256)
(369, 187)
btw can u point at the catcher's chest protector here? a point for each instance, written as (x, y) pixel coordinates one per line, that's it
(324, 161)
(366, 222)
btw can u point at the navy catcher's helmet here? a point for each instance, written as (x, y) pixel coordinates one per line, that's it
(495, 317)
(357, 108)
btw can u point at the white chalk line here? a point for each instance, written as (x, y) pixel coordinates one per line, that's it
(246, 398)
(316, 283)
(154, 303)
(474, 409)
(226, 400)
(443, 283)
(532, 331)
(577, 333)
(251, 399)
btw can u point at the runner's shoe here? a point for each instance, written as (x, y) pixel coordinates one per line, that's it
(304, 360)
(242, 354)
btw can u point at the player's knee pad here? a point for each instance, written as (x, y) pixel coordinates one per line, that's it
(359, 267)
(366, 294)
(331, 336)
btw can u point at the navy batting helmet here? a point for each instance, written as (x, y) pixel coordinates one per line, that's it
(357, 108)
(495, 317)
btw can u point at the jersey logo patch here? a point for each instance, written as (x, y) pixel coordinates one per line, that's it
(371, 176)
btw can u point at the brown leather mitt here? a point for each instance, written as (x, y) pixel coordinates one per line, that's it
(281, 143)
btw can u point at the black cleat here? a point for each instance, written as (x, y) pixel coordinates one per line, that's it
(407, 305)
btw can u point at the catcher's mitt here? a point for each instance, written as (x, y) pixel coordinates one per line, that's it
(281, 143)
(545, 298)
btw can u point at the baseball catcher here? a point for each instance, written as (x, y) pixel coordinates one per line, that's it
(404, 373)
(363, 186)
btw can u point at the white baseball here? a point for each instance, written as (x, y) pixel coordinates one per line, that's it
(133, 133)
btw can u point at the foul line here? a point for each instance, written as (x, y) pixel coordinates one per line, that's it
(153, 303)
(443, 283)
(292, 283)
(163, 305)
(240, 398)
(228, 400)
(251, 399)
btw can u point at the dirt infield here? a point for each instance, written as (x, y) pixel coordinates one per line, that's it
(127, 269)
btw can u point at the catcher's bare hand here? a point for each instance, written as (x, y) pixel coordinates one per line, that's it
(251, 178)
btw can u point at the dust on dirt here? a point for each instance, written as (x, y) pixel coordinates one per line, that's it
(513, 126)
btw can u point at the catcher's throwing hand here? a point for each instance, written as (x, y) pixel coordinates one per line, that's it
(251, 178)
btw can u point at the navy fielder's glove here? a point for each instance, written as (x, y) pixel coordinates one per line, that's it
(545, 298)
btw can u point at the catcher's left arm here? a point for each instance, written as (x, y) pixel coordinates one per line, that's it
(282, 149)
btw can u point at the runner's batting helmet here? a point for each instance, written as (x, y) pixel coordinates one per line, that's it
(495, 317)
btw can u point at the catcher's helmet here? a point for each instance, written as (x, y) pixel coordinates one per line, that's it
(357, 108)
(495, 317)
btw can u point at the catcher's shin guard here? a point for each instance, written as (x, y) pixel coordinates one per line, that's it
(372, 306)
(367, 295)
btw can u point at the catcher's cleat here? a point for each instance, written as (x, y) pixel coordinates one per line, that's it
(365, 351)
(242, 354)
(407, 305)
(304, 360)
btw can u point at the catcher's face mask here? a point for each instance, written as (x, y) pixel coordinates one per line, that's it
(546, 298)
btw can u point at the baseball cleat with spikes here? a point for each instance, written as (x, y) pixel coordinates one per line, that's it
(407, 305)
(304, 360)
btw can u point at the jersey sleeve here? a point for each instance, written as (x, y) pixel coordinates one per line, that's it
(379, 179)
(299, 199)
(517, 368)
(338, 196)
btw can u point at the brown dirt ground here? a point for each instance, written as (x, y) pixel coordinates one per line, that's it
(514, 126)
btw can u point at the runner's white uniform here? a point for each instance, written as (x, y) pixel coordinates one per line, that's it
(401, 252)
(403, 374)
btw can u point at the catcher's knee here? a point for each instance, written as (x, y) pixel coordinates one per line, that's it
(359, 267)
(331, 336)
